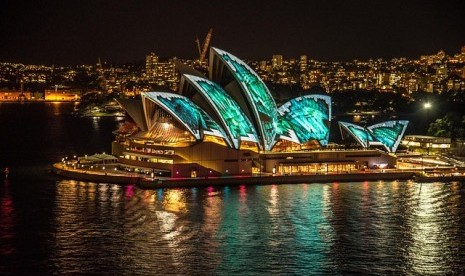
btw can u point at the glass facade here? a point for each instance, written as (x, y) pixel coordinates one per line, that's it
(258, 96)
(306, 118)
(236, 123)
(317, 168)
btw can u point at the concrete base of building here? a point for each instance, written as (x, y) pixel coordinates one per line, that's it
(101, 176)
(147, 183)
(94, 176)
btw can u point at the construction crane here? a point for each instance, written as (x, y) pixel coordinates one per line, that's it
(203, 50)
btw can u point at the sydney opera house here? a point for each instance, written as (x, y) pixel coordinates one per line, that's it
(229, 124)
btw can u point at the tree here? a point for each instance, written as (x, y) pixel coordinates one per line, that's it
(451, 126)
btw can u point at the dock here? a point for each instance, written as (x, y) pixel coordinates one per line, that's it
(145, 182)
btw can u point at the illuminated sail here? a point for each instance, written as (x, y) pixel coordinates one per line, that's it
(387, 134)
(234, 121)
(194, 119)
(263, 110)
(306, 118)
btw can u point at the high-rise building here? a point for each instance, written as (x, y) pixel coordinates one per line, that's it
(151, 65)
(303, 64)
(383, 78)
(263, 65)
(441, 71)
(277, 61)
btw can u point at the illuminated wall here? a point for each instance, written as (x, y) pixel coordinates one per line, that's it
(234, 121)
(197, 121)
(264, 110)
(306, 118)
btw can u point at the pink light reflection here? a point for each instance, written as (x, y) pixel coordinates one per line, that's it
(242, 192)
(129, 191)
(7, 223)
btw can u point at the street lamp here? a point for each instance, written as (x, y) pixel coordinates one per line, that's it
(427, 107)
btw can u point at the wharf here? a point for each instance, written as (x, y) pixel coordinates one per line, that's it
(154, 183)
(94, 175)
(442, 178)
(147, 183)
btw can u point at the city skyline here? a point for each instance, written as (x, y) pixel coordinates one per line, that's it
(64, 32)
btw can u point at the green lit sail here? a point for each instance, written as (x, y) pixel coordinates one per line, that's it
(389, 133)
(187, 113)
(257, 94)
(306, 118)
(286, 131)
(363, 135)
(237, 125)
(360, 134)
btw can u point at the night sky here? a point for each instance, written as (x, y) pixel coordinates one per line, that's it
(118, 31)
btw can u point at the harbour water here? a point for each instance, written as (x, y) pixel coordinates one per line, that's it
(53, 226)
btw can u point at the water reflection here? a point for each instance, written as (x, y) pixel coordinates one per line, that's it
(338, 228)
(7, 221)
(274, 196)
(174, 200)
(56, 108)
(432, 246)
(95, 123)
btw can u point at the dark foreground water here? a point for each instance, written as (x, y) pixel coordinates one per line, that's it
(53, 226)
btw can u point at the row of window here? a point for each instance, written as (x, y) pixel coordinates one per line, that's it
(149, 150)
(149, 160)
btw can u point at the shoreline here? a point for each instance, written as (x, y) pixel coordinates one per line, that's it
(94, 176)
(271, 180)
(145, 182)
(38, 101)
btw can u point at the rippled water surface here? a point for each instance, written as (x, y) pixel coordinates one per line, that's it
(54, 226)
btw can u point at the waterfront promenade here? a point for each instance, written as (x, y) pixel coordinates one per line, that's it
(95, 175)
(143, 181)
